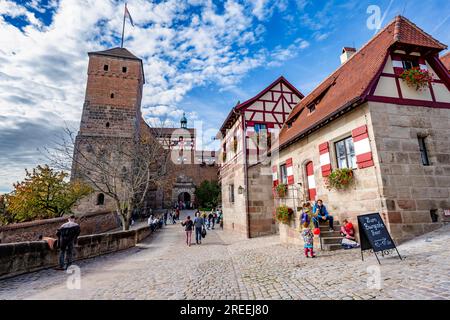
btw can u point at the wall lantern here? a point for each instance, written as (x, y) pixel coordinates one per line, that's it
(240, 190)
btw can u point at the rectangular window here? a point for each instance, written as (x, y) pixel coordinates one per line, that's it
(345, 153)
(231, 193)
(409, 64)
(259, 127)
(283, 174)
(105, 67)
(124, 69)
(423, 151)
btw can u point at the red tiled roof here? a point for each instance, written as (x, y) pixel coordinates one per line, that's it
(232, 115)
(446, 60)
(349, 83)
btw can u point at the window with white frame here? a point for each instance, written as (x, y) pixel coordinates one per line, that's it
(283, 174)
(345, 153)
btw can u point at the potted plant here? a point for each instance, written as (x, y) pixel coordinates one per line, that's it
(281, 190)
(416, 78)
(339, 179)
(284, 214)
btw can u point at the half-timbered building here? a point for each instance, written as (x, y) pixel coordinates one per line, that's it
(392, 134)
(245, 175)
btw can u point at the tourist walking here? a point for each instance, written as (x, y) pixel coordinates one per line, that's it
(199, 224)
(173, 216)
(166, 214)
(67, 235)
(188, 225)
(211, 220)
(321, 214)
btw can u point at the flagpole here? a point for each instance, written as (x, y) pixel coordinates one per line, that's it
(123, 25)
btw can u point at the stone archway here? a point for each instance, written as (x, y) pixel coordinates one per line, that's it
(184, 199)
(184, 187)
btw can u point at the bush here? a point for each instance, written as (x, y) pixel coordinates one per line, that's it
(207, 194)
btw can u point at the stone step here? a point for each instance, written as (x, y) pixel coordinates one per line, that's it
(331, 240)
(331, 247)
(326, 233)
(326, 228)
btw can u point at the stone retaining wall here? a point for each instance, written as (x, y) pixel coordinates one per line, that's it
(23, 257)
(91, 223)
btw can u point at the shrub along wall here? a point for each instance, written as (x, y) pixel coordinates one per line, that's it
(23, 257)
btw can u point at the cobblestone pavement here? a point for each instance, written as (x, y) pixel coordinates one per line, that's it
(225, 267)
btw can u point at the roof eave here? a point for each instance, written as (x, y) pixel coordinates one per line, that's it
(332, 116)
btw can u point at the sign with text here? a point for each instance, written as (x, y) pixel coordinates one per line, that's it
(373, 233)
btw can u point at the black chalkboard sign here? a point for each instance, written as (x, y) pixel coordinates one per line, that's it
(374, 235)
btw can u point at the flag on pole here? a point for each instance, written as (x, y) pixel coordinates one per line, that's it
(127, 14)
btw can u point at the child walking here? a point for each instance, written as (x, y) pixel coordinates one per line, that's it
(308, 238)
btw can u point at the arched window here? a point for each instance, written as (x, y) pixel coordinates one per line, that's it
(100, 199)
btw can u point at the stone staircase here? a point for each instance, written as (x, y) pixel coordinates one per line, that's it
(331, 240)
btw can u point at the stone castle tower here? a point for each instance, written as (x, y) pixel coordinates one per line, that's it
(111, 111)
(112, 105)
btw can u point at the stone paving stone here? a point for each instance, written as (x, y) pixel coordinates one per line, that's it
(226, 267)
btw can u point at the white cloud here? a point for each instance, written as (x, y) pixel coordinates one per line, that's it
(43, 67)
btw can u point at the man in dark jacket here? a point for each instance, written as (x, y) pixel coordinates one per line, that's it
(67, 235)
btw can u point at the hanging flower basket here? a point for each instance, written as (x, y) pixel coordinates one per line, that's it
(339, 179)
(281, 190)
(284, 214)
(416, 78)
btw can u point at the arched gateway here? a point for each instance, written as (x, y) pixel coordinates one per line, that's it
(183, 192)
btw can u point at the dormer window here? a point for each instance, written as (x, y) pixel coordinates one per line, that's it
(311, 107)
(410, 63)
(105, 67)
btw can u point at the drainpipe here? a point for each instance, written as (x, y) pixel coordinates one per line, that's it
(244, 154)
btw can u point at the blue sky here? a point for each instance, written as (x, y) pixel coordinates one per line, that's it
(200, 57)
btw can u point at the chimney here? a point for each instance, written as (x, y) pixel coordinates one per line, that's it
(347, 52)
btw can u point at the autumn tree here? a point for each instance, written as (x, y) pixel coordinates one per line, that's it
(44, 193)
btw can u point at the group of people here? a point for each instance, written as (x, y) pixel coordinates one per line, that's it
(201, 223)
(316, 214)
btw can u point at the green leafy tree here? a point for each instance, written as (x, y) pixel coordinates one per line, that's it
(44, 193)
(207, 194)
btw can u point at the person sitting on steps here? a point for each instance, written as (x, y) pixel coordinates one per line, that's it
(322, 214)
(347, 230)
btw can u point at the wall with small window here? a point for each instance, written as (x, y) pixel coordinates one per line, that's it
(413, 147)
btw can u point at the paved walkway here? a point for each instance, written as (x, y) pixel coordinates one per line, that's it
(224, 267)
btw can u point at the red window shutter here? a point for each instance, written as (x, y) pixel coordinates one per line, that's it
(274, 176)
(290, 171)
(325, 161)
(363, 151)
